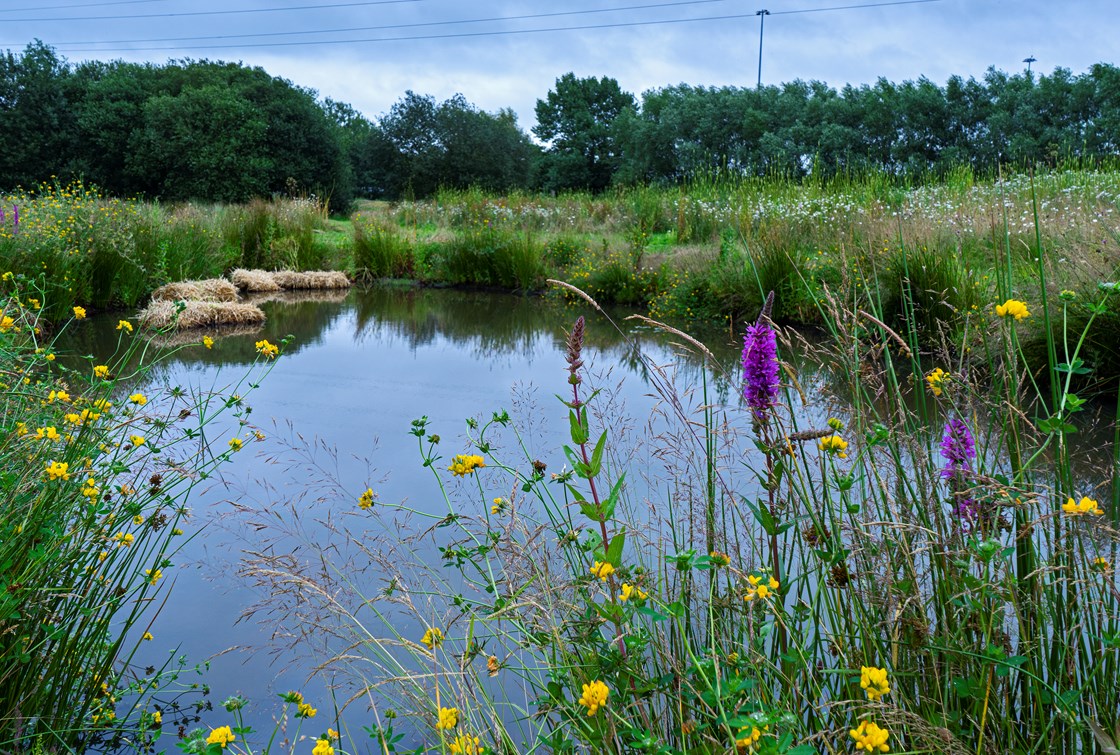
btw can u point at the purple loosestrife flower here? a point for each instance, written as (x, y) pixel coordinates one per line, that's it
(760, 368)
(958, 448)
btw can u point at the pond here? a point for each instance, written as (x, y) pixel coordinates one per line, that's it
(336, 412)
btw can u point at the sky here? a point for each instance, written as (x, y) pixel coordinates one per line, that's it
(369, 52)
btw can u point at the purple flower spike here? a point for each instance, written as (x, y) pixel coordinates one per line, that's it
(760, 369)
(958, 448)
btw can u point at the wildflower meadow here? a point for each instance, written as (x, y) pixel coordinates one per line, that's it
(902, 550)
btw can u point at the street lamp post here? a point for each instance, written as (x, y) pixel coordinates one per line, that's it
(762, 14)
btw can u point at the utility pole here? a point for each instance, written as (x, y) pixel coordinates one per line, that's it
(762, 14)
(1028, 61)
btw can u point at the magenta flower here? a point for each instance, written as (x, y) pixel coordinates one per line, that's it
(958, 448)
(760, 369)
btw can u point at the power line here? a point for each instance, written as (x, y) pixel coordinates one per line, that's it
(461, 35)
(391, 26)
(78, 5)
(214, 12)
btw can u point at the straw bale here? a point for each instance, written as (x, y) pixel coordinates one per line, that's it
(212, 289)
(316, 279)
(289, 279)
(161, 315)
(253, 280)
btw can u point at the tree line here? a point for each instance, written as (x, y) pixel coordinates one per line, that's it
(227, 132)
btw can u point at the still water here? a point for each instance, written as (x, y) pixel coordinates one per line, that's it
(336, 411)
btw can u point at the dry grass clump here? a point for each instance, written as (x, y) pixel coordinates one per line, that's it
(254, 280)
(290, 280)
(161, 315)
(211, 289)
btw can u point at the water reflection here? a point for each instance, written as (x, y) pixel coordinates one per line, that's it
(358, 368)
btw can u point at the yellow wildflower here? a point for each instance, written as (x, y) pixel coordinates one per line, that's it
(464, 464)
(101, 371)
(153, 575)
(1012, 308)
(433, 638)
(1085, 506)
(58, 470)
(157, 716)
(79, 313)
(870, 737)
(747, 737)
(874, 682)
(147, 637)
(632, 592)
(235, 444)
(137, 440)
(138, 398)
(223, 735)
(6, 323)
(322, 747)
(366, 499)
(124, 539)
(719, 560)
(464, 744)
(448, 718)
(758, 589)
(602, 569)
(937, 381)
(124, 325)
(594, 696)
(208, 342)
(304, 710)
(836, 445)
(267, 350)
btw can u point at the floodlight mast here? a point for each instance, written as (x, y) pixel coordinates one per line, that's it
(762, 14)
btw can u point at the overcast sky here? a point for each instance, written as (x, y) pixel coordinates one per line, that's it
(443, 47)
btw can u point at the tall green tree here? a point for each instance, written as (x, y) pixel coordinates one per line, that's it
(577, 120)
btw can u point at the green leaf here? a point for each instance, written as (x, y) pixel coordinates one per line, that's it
(612, 499)
(614, 551)
(655, 615)
(764, 517)
(597, 454)
(578, 422)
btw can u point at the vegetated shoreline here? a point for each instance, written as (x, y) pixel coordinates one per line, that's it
(707, 251)
(896, 574)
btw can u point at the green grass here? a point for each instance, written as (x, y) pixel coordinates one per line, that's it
(93, 518)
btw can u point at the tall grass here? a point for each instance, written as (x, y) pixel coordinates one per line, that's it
(105, 252)
(931, 569)
(96, 481)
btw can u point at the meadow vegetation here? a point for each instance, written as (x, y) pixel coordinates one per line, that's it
(96, 471)
(930, 569)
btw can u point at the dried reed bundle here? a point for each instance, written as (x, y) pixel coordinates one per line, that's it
(212, 289)
(254, 280)
(161, 315)
(290, 280)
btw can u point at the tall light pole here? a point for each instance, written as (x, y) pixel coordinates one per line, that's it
(1028, 61)
(762, 14)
